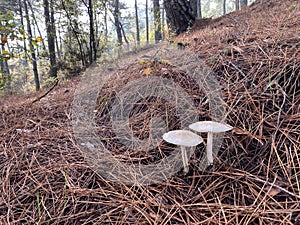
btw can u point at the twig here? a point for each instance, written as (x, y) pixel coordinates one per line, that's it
(274, 185)
(44, 95)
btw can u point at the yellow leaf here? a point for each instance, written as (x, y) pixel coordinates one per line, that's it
(5, 52)
(147, 71)
(165, 61)
(39, 39)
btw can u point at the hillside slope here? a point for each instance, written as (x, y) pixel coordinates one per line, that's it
(255, 179)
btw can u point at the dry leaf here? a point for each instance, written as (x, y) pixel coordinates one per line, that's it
(272, 191)
(147, 71)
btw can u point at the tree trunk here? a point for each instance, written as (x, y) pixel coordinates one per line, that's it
(49, 20)
(157, 21)
(93, 49)
(75, 32)
(33, 56)
(243, 3)
(237, 5)
(124, 34)
(224, 7)
(24, 42)
(163, 24)
(147, 23)
(117, 21)
(194, 5)
(138, 40)
(105, 22)
(199, 9)
(4, 70)
(180, 15)
(36, 24)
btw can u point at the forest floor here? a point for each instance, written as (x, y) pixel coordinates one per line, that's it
(255, 179)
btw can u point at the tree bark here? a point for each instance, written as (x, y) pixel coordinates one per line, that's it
(224, 7)
(24, 42)
(237, 5)
(116, 15)
(138, 40)
(93, 48)
(243, 3)
(147, 22)
(75, 32)
(33, 56)
(180, 15)
(49, 20)
(36, 24)
(157, 21)
(199, 9)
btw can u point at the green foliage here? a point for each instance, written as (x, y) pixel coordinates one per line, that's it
(11, 32)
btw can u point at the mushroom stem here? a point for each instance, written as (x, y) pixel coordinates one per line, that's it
(184, 159)
(210, 158)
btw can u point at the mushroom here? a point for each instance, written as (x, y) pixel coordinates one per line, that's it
(183, 138)
(210, 127)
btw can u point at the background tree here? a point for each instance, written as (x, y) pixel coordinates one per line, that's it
(147, 22)
(243, 3)
(50, 28)
(157, 21)
(116, 14)
(137, 22)
(237, 4)
(32, 49)
(180, 15)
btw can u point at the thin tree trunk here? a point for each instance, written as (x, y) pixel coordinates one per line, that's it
(237, 5)
(57, 48)
(33, 56)
(157, 21)
(24, 42)
(49, 21)
(118, 25)
(199, 9)
(224, 7)
(36, 24)
(163, 24)
(124, 34)
(75, 33)
(4, 70)
(137, 23)
(105, 22)
(147, 23)
(93, 49)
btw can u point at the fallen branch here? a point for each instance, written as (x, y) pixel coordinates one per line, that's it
(44, 95)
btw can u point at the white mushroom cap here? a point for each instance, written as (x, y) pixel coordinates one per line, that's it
(182, 138)
(210, 126)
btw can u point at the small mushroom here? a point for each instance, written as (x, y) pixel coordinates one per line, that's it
(210, 127)
(183, 138)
